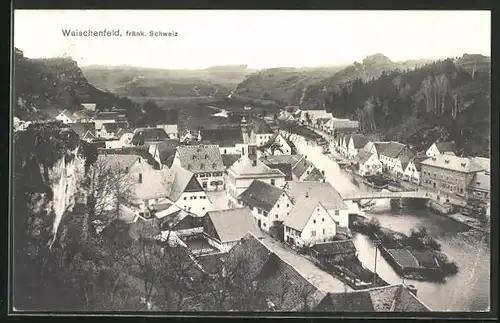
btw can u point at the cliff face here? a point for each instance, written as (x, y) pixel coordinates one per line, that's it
(44, 87)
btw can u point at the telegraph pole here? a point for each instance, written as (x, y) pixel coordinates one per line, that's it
(376, 243)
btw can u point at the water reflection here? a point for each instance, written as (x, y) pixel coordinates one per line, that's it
(469, 290)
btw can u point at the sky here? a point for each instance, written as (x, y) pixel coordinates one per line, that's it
(258, 38)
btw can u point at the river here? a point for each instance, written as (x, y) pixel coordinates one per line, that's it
(468, 290)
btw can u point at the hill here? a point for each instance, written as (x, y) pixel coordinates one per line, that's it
(43, 87)
(444, 100)
(142, 82)
(304, 87)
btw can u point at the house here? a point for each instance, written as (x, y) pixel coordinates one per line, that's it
(205, 161)
(479, 187)
(391, 298)
(284, 163)
(439, 148)
(229, 139)
(402, 162)
(322, 192)
(337, 127)
(260, 133)
(268, 203)
(170, 129)
(412, 171)
(81, 116)
(126, 163)
(310, 116)
(333, 252)
(309, 222)
(282, 286)
(225, 228)
(320, 123)
(302, 169)
(388, 152)
(104, 117)
(86, 131)
(89, 106)
(343, 144)
(448, 174)
(175, 186)
(280, 145)
(355, 143)
(149, 136)
(315, 176)
(66, 117)
(368, 163)
(247, 169)
(164, 152)
(107, 131)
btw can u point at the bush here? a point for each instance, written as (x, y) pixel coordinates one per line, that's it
(373, 226)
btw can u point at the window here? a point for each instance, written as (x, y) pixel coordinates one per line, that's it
(225, 151)
(191, 197)
(265, 213)
(314, 221)
(195, 197)
(185, 198)
(313, 233)
(324, 231)
(276, 216)
(264, 225)
(337, 212)
(203, 208)
(204, 184)
(323, 220)
(259, 211)
(288, 205)
(278, 206)
(272, 182)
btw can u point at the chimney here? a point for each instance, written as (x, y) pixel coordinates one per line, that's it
(140, 177)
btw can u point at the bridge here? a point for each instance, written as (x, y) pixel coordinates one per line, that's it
(360, 195)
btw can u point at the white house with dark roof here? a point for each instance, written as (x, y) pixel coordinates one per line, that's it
(267, 202)
(309, 222)
(175, 186)
(355, 143)
(66, 117)
(230, 140)
(439, 148)
(86, 131)
(261, 134)
(388, 152)
(104, 117)
(368, 163)
(302, 169)
(225, 228)
(205, 161)
(148, 136)
(310, 192)
(280, 145)
(412, 170)
(247, 169)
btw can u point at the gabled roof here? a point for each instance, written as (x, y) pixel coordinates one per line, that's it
(334, 247)
(201, 158)
(67, 114)
(78, 115)
(224, 137)
(149, 134)
(261, 195)
(171, 128)
(359, 140)
(459, 164)
(229, 159)
(389, 149)
(285, 169)
(278, 281)
(481, 181)
(233, 224)
(189, 222)
(314, 175)
(166, 151)
(82, 128)
(363, 156)
(244, 167)
(322, 192)
(178, 181)
(300, 168)
(301, 212)
(260, 127)
(110, 127)
(405, 158)
(89, 106)
(445, 146)
(392, 298)
(417, 160)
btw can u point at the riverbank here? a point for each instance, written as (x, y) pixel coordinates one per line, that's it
(417, 256)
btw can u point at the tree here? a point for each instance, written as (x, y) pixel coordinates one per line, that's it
(374, 225)
(108, 186)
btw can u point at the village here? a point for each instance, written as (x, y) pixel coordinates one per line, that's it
(244, 188)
